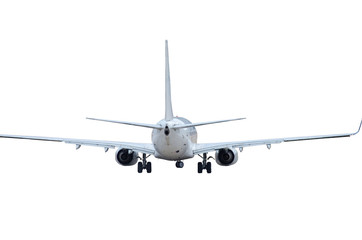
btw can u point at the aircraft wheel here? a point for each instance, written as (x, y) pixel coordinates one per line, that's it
(208, 167)
(179, 164)
(140, 167)
(149, 167)
(199, 167)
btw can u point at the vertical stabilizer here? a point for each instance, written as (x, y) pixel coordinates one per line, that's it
(168, 104)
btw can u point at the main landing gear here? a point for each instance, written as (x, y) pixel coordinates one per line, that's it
(204, 164)
(144, 164)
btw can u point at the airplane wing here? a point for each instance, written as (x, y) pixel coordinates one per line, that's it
(138, 147)
(209, 147)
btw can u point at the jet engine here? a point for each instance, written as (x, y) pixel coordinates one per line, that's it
(226, 156)
(126, 157)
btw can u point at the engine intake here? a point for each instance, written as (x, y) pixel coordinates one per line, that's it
(226, 156)
(126, 157)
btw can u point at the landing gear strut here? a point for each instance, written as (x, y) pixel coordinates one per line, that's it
(204, 164)
(144, 164)
(179, 164)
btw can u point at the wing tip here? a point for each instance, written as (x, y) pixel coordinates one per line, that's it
(359, 128)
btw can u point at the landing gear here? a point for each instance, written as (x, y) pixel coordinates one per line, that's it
(144, 164)
(199, 167)
(208, 167)
(179, 164)
(140, 167)
(149, 167)
(204, 164)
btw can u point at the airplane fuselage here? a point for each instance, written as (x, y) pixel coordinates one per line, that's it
(174, 144)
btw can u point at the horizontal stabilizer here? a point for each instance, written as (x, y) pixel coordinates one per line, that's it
(154, 126)
(204, 123)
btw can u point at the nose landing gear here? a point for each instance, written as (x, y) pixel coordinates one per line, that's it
(144, 164)
(179, 164)
(204, 164)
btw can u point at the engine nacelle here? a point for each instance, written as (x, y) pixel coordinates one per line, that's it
(126, 157)
(226, 156)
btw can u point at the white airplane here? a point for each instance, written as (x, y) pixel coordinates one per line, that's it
(174, 139)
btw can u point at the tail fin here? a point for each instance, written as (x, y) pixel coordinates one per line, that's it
(168, 103)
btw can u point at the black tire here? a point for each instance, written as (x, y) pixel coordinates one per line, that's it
(208, 167)
(199, 167)
(179, 164)
(140, 167)
(149, 167)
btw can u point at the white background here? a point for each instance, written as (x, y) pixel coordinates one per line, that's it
(293, 68)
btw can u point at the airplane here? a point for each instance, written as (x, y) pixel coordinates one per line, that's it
(174, 139)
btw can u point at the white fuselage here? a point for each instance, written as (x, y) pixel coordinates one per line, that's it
(174, 144)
